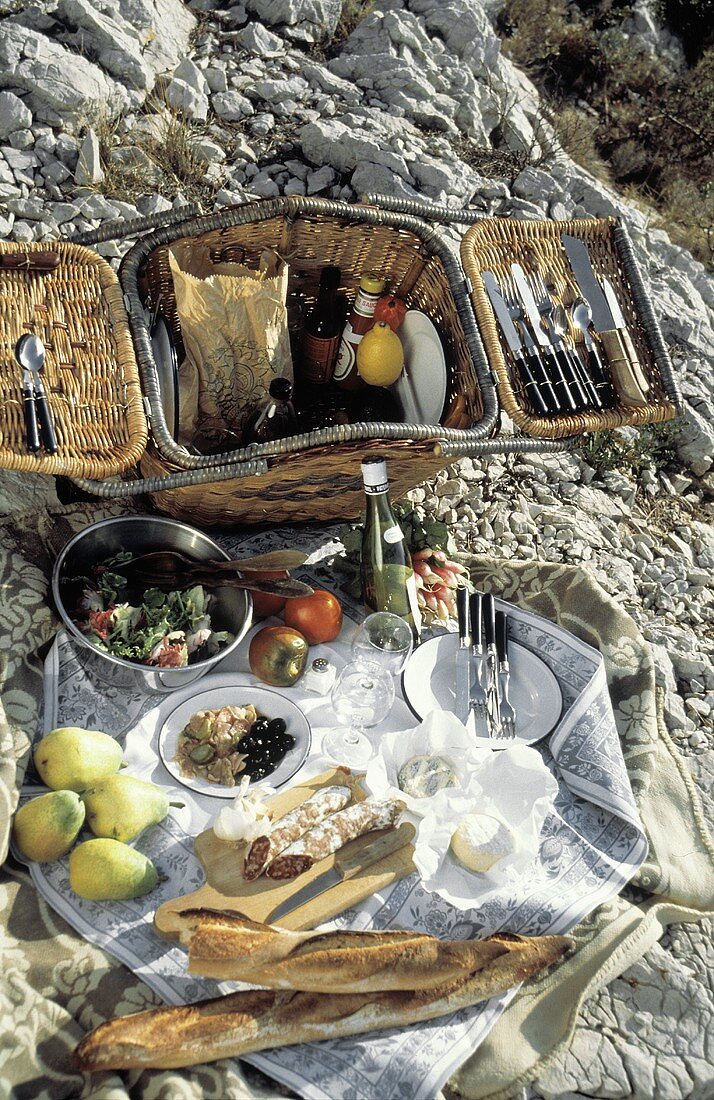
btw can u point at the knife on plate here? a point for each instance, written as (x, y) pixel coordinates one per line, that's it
(346, 865)
(463, 657)
(562, 371)
(604, 323)
(479, 679)
(527, 361)
(489, 630)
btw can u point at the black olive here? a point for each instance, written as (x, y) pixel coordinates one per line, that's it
(276, 727)
(259, 726)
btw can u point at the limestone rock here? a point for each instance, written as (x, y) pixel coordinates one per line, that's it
(89, 166)
(316, 19)
(14, 114)
(231, 106)
(62, 86)
(186, 100)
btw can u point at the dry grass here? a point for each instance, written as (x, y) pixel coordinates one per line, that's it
(652, 130)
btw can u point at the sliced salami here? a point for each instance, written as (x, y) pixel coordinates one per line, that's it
(334, 832)
(286, 830)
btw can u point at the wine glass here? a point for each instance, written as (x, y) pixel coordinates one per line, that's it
(384, 640)
(362, 696)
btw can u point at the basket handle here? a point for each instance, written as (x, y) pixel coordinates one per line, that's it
(506, 445)
(122, 227)
(116, 489)
(418, 208)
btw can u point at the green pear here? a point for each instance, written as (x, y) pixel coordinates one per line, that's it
(47, 827)
(121, 806)
(106, 870)
(70, 758)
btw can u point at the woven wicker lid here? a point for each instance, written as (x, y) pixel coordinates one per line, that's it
(90, 372)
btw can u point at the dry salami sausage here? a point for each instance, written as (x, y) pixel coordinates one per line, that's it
(334, 832)
(287, 829)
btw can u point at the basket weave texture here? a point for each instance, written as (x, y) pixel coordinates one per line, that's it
(90, 372)
(493, 244)
(314, 476)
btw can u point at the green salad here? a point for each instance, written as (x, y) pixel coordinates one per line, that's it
(166, 629)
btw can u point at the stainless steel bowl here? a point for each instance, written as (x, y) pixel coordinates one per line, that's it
(231, 608)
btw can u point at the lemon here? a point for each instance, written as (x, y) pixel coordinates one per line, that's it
(380, 356)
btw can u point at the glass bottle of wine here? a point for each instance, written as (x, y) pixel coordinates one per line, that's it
(387, 576)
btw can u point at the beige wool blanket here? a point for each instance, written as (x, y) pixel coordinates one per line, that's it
(55, 986)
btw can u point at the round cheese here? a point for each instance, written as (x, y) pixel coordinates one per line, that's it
(481, 840)
(423, 776)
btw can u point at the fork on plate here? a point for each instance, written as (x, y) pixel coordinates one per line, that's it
(507, 710)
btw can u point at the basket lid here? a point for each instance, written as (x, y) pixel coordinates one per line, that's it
(70, 298)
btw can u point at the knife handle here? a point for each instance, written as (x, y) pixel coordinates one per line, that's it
(489, 620)
(501, 636)
(623, 377)
(545, 386)
(462, 614)
(631, 352)
(32, 433)
(593, 397)
(475, 605)
(48, 432)
(602, 381)
(532, 391)
(30, 261)
(350, 863)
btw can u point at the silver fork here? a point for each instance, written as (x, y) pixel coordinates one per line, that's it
(507, 710)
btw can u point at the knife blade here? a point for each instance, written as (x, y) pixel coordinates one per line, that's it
(579, 259)
(463, 657)
(566, 383)
(346, 865)
(527, 360)
(621, 324)
(479, 684)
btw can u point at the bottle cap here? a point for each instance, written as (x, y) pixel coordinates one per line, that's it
(282, 388)
(374, 472)
(372, 282)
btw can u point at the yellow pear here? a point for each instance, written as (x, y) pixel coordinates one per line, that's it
(380, 356)
(46, 827)
(70, 758)
(106, 870)
(121, 806)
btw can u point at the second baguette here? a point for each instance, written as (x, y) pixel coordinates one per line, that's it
(229, 946)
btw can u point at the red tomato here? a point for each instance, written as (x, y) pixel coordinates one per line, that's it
(318, 617)
(263, 604)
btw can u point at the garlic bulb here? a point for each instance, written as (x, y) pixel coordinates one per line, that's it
(246, 817)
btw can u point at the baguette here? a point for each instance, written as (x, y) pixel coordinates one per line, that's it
(242, 1023)
(229, 946)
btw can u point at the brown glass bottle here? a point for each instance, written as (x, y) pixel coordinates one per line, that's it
(273, 418)
(322, 331)
(360, 321)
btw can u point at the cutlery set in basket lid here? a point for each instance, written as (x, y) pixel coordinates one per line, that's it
(564, 327)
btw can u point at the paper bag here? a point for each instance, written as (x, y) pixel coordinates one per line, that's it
(234, 325)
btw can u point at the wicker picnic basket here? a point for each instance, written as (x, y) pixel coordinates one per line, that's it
(315, 476)
(493, 244)
(90, 372)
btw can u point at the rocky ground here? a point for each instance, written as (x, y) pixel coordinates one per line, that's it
(113, 108)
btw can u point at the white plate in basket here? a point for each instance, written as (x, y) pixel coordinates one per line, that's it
(166, 361)
(421, 388)
(238, 691)
(429, 684)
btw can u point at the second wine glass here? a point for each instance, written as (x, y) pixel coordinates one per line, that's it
(362, 697)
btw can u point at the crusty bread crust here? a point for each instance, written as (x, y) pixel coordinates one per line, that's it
(241, 1023)
(228, 946)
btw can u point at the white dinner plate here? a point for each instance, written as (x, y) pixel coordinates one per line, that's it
(429, 684)
(167, 371)
(237, 691)
(421, 387)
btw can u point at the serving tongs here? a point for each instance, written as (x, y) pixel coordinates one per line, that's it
(170, 569)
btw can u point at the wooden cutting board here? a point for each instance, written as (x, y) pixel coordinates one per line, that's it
(227, 890)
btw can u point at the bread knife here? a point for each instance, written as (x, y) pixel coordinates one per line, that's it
(348, 862)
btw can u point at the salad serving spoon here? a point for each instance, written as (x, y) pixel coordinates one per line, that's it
(170, 569)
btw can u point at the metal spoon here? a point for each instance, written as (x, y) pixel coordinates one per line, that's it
(32, 432)
(582, 316)
(587, 384)
(30, 354)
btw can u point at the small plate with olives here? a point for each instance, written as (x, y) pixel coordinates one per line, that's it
(210, 739)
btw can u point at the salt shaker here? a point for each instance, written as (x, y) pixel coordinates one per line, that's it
(320, 676)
